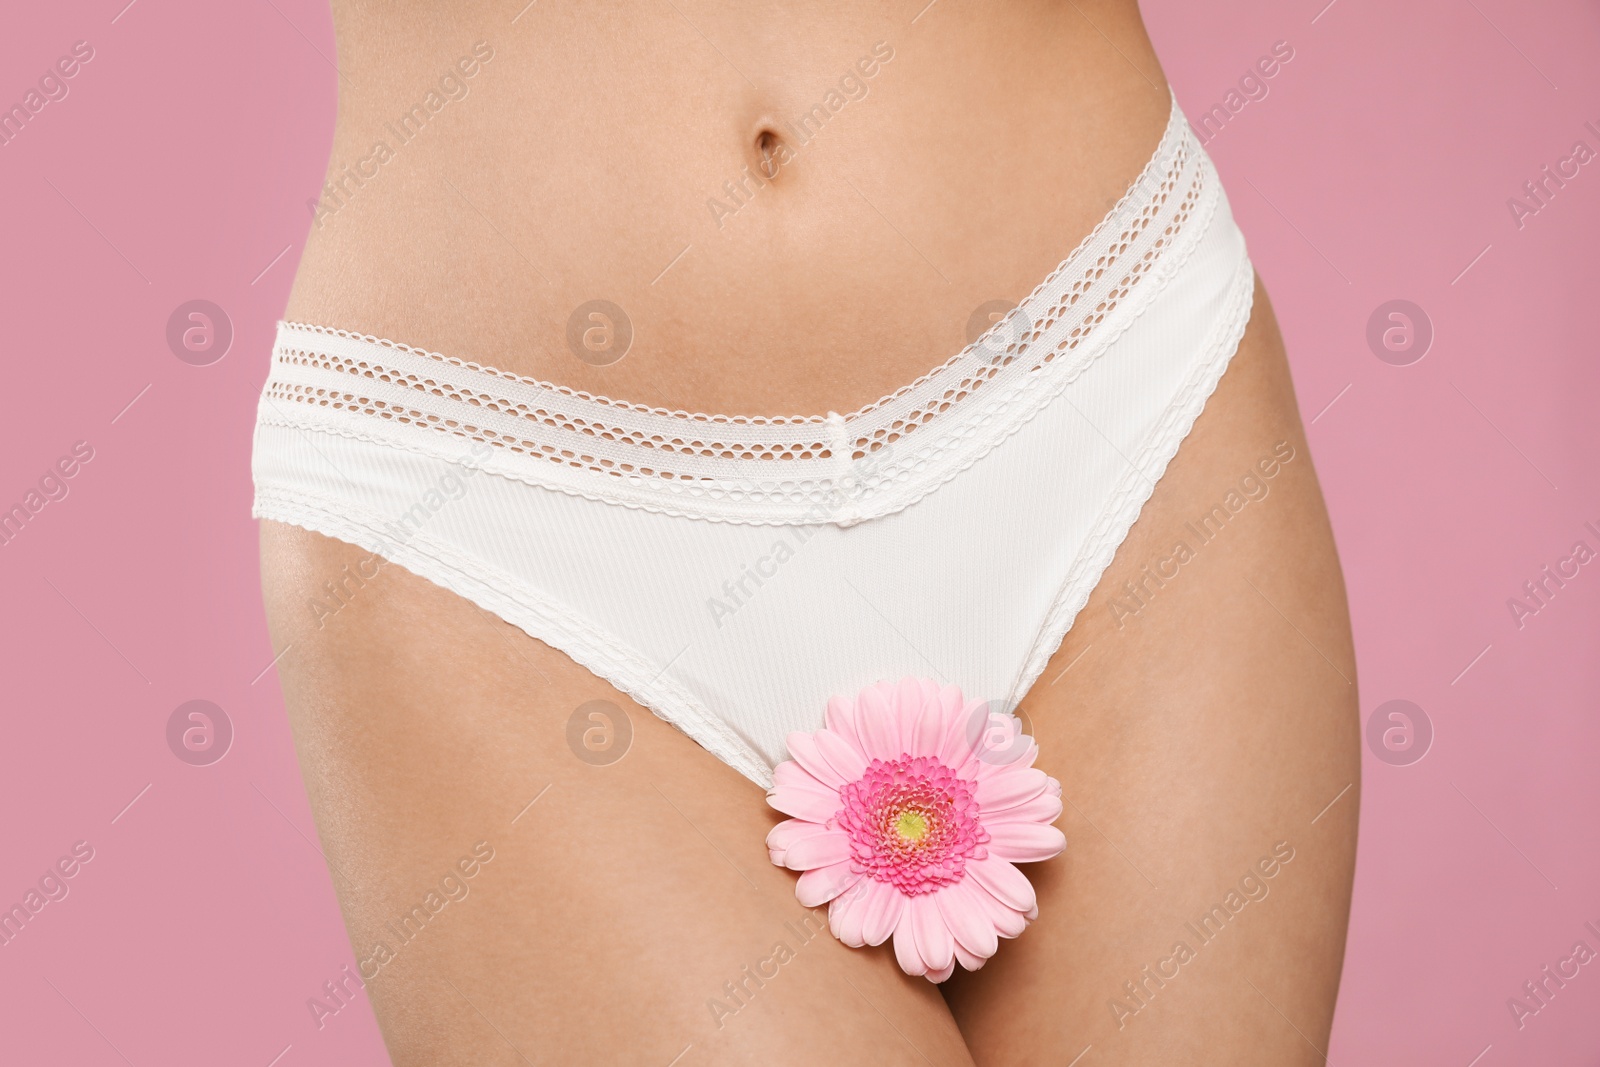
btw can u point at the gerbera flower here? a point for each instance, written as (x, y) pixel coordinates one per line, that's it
(905, 822)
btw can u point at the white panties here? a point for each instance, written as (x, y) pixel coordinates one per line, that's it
(731, 573)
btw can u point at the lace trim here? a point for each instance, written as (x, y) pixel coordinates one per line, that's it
(761, 469)
(1146, 468)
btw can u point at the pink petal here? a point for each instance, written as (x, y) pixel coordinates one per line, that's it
(1009, 885)
(803, 750)
(1008, 922)
(875, 721)
(933, 936)
(816, 887)
(950, 705)
(1022, 842)
(848, 913)
(926, 730)
(1018, 751)
(790, 772)
(942, 973)
(966, 919)
(1042, 809)
(818, 850)
(795, 792)
(960, 743)
(908, 712)
(968, 960)
(999, 791)
(1003, 745)
(842, 754)
(885, 906)
(905, 946)
(841, 719)
(786, 833)
(812, 805)
(1021, 760)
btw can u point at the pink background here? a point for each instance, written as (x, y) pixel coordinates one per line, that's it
(1377, 168)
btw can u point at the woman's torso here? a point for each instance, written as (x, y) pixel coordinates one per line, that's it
(490, 179)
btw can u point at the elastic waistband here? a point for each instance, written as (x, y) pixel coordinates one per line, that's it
(786, 470)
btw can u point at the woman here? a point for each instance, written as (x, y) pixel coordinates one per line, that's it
(610, 254)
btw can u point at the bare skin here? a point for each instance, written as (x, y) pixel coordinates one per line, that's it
(1192, 735)
(968, 170)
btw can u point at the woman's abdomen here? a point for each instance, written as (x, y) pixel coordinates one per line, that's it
(757, 210)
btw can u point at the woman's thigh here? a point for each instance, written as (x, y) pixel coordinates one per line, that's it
(1202, 718)
(512, 892)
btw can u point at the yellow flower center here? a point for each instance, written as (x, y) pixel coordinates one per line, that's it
(911, 826)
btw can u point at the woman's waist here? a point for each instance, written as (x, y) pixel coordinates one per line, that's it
(808, 239)
(1153, 296)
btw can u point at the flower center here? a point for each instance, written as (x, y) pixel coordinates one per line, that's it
(913, 823)
(911, 826)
